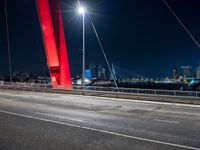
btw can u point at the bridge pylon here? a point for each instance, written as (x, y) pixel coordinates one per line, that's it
(54, 41)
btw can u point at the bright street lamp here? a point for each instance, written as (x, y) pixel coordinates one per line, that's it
(82, 10)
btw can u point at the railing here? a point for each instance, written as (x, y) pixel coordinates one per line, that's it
(194, 94)
(147, 91)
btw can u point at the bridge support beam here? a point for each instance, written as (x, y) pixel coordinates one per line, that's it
(54, 40)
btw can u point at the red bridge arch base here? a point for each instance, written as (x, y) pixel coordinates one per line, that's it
(55, 44)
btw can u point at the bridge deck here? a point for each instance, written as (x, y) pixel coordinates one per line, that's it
(31, 120)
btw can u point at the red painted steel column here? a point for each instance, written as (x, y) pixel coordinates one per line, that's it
(54, 41)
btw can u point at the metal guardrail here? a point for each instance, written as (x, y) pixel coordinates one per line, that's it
(175, 93)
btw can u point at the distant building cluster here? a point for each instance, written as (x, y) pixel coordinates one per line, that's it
(92, 73)
(97, 71)
(25, 77)
(187, 72)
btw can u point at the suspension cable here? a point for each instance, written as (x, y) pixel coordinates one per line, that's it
(181, 23)
(114, 72)
(104, 54)
(8, 41)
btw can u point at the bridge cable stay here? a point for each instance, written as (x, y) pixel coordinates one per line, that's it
(8, 41)
(123, 73)
(78, 2)
(181, 23)
(114, 72)
(104, 54)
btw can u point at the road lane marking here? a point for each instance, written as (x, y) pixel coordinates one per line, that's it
(166, 121)
(101, 131)
(37, 104)
(61, 117)
(8, 100)
(143, 101)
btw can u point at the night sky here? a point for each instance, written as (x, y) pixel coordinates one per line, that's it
(138, 35)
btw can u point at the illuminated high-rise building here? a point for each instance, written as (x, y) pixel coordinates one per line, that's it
(198, 72)
(186, 71)
(175, 74)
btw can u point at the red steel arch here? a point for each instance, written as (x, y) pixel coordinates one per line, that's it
(54, 40)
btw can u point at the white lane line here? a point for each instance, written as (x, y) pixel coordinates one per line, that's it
(166, 121)
(144, 101)
(8, 100)
(61, 117)
(43, 105)
(101, 131)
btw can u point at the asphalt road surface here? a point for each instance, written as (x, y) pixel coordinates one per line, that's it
(41, 121)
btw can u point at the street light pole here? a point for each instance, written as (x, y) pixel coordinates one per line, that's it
(82, 10)
(83, 79)
(8, 42)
